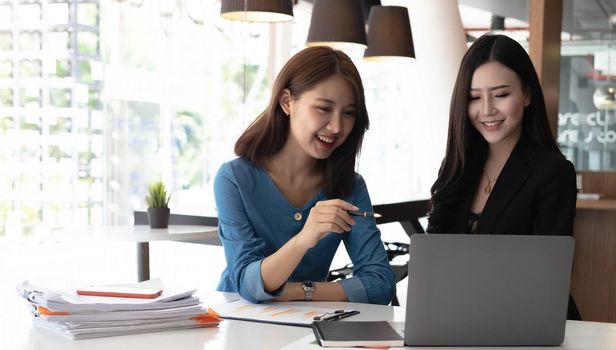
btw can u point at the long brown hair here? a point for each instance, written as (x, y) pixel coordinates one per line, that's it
(466, 148)
(268, 133)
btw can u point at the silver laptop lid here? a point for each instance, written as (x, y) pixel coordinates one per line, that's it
(487, 289)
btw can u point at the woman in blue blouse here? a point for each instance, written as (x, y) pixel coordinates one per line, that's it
(282, 205)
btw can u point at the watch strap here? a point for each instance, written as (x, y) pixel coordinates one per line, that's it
(308, 288)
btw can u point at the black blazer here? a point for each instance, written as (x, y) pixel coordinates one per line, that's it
(535, 193)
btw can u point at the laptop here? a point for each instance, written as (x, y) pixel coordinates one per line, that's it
(487, 290)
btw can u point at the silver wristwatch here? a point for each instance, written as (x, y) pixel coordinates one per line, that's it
(308, 288)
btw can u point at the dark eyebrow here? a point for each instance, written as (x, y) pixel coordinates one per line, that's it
(493, 88)
(323, 99)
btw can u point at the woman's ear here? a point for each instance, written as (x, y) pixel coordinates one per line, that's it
(527, 99)
(285, 101)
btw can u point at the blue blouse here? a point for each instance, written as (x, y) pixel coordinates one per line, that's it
(255, 220)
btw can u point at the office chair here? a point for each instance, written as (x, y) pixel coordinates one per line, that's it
(405, 213)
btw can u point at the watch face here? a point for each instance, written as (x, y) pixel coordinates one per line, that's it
(308, 285)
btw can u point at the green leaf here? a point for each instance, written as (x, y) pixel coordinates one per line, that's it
(157, 195)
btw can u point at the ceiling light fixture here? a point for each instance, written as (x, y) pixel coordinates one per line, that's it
(389, 35)
(257, 10)
(338, 24)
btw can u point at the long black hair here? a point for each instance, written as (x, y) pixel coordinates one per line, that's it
(268, 133)
(466, 148)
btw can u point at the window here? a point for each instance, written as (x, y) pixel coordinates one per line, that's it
(61, 68)
(60, 97)
(6, 41)
(59, 40)
(29, 14)
(6, 97)
(30, 68)
(587, 132)
(57, 13)
(87, 42)
(87, 14)
(6, 69)
(154, 93)
(55, 153)
(6, 13)
(180, 92)
(30, 40)
(30, 97)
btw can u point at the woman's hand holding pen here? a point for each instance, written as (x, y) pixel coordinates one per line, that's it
(325, 217)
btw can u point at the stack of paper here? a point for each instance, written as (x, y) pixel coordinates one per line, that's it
(79, 317)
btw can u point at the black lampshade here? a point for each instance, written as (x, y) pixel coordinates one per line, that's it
(365, 8)
(337, 23)
(389, 34)
(257, 10)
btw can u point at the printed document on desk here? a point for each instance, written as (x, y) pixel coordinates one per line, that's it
(274, 312)
(74, 316)
(70, 301)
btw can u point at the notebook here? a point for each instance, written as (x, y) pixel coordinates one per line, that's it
(356, 333)
(482, 290)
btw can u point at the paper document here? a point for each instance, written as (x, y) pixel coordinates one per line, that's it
(273, 312)
(74, 316)
(70, 301)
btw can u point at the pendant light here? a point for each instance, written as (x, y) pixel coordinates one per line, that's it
(365, 8)
(389, 35)
(337, 23)
(257, 10)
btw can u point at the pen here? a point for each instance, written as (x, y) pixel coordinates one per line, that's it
(341, 315)
(365, 214)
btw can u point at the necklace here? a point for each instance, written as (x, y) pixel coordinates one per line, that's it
(488, 187)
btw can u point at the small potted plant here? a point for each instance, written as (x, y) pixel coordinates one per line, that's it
(158, 205)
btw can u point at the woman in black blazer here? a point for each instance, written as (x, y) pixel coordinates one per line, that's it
(503, 172)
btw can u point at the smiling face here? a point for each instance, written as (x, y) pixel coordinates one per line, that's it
(496, 106)
(320, 118)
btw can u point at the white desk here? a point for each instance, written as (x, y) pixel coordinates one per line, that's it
(142, 235)
(18, 333)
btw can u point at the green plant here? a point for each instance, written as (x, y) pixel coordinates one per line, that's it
(157, 195)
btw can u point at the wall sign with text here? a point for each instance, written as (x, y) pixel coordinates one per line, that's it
(596, 129)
